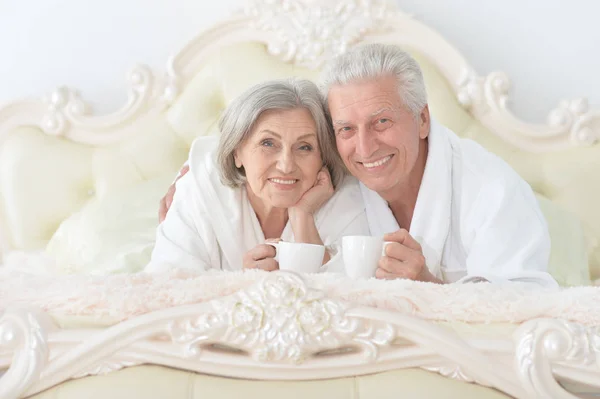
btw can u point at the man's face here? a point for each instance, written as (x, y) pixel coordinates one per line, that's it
(377, 137)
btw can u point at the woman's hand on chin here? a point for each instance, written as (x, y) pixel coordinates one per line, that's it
(315, 197)
(301, 215)
(261, 257)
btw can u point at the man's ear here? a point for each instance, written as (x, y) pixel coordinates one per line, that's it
(424, 122)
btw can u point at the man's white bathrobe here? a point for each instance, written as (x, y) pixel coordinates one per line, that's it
(210, 225)
(475, 217)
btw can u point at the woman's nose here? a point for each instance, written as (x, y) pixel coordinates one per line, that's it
(286, 162)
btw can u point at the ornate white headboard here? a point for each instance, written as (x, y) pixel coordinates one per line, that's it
(55, 155)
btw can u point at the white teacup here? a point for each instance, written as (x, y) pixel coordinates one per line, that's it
(361, 255)
(298, 257)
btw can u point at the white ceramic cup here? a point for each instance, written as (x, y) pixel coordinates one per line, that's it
(361, 255)
(298, 257)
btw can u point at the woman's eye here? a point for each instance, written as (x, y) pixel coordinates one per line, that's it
(266, 143)
(306, 147)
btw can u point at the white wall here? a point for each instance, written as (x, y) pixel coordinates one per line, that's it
(550, 48)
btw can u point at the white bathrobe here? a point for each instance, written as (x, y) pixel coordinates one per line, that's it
(475, 217)
(210, 225)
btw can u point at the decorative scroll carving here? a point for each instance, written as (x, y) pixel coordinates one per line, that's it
(544, 343)
(23, 333)
(281, 319)
(308, 33)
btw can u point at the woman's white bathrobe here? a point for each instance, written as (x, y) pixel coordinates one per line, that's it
(210, 225)
(475, 217)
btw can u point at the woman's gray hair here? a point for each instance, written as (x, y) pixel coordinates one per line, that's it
(238, 119)
(371, 61)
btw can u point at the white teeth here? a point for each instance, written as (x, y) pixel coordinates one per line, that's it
(280, 181)
(377, 163)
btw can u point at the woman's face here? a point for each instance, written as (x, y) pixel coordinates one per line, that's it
(281, 156)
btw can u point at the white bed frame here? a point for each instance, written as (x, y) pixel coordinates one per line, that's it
(333, 339)
(291, 331)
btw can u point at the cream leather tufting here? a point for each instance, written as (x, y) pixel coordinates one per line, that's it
(153, 382)
(159, 141)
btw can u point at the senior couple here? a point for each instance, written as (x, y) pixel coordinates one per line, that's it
(360, 157)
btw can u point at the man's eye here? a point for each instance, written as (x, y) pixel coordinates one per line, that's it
(383, 120)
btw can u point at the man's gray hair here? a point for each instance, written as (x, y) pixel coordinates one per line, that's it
(371, 61)
(238, 119)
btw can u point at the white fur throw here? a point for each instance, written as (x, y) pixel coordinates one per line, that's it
(123, 296)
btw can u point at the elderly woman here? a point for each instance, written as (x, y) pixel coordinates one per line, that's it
(273, 172)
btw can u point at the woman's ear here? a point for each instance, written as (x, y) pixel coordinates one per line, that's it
(236, 159)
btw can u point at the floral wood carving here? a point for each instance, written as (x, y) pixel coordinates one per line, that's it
(65, 108)
(62, 104)
(107, 366)
(454, 372)
(547, 342)
(308, 33)
(572, 119)
(23, 332)
(281, 320)
(577, 117)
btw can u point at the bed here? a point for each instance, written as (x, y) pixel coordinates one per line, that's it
(78, 207)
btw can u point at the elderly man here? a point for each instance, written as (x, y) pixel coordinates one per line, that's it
(454, 211)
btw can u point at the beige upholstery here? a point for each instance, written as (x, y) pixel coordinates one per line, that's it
(153, 382)
(30, 160)
(110, 234)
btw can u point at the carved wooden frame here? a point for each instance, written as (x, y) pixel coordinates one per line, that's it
(296, 333)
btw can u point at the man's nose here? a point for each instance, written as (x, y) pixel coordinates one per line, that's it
(366, 144)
